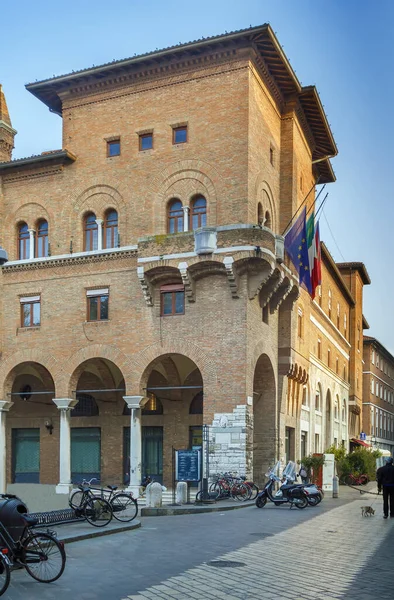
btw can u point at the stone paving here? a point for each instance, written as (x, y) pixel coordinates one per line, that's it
(328, 551)
(338, 554)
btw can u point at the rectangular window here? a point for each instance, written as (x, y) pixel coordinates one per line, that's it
(372, 386)
(337, 366)
(97, 305)
(179, 135)
(329, 357)
(146, 141)
(271, 155)
(26, 456)
(373, 357)
(317, 443)
(319, 349)
(85, 453)
(172, 299)
(113, 148)
(30, 311)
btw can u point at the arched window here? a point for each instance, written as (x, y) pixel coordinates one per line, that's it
(85, 407)
(23, 242)
(42, 239)
(267, 220)
(111, 229)
(175, 217)
(260, 215)
(198, 213)
(304, 396)
(344, 411)
(336, 408)
(329, 304)
(196, 405)
(318, 400)
(90, 232)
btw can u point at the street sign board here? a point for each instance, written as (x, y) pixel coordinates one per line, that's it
(187, 465)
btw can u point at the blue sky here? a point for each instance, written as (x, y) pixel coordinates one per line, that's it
(344, 47)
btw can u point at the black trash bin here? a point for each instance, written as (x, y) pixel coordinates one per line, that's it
(11, 513)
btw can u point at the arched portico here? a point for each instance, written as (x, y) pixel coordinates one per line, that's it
(265, 426)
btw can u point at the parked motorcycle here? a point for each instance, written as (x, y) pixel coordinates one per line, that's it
(288, 493)
(314, 495)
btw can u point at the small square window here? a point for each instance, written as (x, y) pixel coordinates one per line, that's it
(172, 300)
(97, 309)
(146, 141)
(30, 312)
(179, 135)
(113, 148)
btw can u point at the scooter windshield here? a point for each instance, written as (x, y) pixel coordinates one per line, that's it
(273, 470)
(290, 470)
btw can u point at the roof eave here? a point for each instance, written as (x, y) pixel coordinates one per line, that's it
(326, 256)
(64, 156)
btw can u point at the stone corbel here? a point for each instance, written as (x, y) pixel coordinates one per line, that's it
(145, 286)
(281, 294)
(187, 281)
(270, 287)
(231, 276)
(257, 280)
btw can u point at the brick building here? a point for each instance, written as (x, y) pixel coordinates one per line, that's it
(147, 284)
(378, 395)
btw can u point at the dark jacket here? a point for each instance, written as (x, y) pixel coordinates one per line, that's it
(385, 476)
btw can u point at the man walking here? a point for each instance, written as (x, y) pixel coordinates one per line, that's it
(385, 478)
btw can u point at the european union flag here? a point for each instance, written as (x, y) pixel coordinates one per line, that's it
(296, 247)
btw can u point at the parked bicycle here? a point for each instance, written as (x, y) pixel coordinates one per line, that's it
(123, 504)
(227, 485)
(96, 510)
(39, 552)
(353, 479)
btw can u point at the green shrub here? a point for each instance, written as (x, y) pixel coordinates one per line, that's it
(338, 452)
(359, 462)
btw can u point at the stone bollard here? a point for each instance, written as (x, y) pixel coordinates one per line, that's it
(181, 492)
(154, 495)
(335, 486)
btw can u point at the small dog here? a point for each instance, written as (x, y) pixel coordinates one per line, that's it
(367, 511)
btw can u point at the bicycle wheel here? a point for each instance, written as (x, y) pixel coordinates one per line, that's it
(97, 512)
(44, 557)
(254, 490)
(363, 479)
(240, 492)
(75, 500)
(5, 575)
(124, 507)
(215, 488)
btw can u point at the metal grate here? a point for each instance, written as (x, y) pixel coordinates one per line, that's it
(226, 563)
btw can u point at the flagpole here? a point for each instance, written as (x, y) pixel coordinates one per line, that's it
(302, 204)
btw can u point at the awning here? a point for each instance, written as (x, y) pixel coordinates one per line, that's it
(360, 442)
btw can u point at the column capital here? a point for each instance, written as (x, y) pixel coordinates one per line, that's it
(5, 405)
(186, 208)
(65, 403)
(135, 401)
(99, 221)
(31, 230)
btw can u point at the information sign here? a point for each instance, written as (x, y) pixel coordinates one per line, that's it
(187, 465)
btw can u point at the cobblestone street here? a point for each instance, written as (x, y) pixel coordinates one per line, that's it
(329, 551)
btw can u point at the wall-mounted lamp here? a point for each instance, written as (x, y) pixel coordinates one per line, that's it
(49, 426)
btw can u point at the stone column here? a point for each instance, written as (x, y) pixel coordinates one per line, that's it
(4, 408)
(135, 403)
(99, 234)
(186, 210)
(31, 242)
(65, 405)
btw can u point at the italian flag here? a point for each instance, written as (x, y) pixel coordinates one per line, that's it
(314, 253)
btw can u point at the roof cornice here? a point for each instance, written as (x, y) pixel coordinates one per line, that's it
(356, 266)
(261, 38)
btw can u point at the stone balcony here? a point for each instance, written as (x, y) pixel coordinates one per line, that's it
(231, 250)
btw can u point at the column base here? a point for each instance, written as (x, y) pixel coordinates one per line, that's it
(64, 488)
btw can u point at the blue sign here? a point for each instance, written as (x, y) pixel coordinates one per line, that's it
(187, 465)
(363, 436)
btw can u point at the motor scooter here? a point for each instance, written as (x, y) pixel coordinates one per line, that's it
(287, 493)
(314, 495)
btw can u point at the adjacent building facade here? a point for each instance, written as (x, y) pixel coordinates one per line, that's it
(147, 290)
(378, 395)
